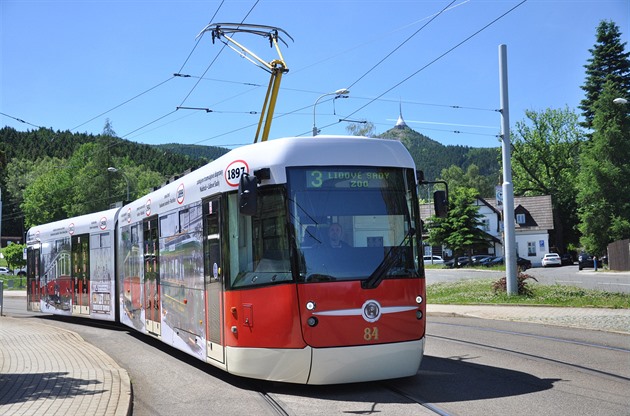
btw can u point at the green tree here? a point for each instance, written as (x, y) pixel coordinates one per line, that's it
(108, 129)
(609, 61)
(604, 205)
(14, 255)
(545, 161)
(472, 178)
(361, 129)
(141, 179)
(90, 189)
(45, 197)
(461, 229)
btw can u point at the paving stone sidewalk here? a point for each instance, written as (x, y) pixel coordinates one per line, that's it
(45, 370)
(602, 319)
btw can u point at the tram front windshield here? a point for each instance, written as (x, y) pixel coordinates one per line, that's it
(353, 223)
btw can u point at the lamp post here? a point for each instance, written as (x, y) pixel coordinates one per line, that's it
(114, 170)
(338, 93)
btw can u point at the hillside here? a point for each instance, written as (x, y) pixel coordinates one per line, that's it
(195, 151)
(35, 144)
(431, 156)
(174, 159)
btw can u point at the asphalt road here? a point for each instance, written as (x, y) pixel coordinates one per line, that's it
(565, 275)
(471, 367)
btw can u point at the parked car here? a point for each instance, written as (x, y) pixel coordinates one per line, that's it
(433, 260)
(567, 259)
(523, 264)
(5, 270)
(551, 259)
(456, 262)
(478, 258)
(487, 261)
(585, 260)
(20, 272)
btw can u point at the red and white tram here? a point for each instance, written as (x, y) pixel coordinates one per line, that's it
(293, 260)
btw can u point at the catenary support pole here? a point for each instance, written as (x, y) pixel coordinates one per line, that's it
(509, 238)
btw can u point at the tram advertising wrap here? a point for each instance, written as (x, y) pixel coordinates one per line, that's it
(292, 260)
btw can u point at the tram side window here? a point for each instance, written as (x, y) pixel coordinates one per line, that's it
(268, 262)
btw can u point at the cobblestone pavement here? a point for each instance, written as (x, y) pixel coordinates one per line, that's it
(45, 370)
(602, 319)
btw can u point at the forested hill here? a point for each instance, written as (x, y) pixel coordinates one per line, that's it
(195, 151)
(35, 144)
(172, 159)
(431, 156)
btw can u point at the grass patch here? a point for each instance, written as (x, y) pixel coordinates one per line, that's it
(12, 282)
(471, 292)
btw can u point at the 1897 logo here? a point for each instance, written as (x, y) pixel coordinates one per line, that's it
(234, 171)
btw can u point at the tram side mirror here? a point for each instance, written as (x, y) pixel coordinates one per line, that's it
(440, 203)
(420, 176)
(248, 194)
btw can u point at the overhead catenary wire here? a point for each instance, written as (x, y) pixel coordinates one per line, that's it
(401, 44)
(123, 103)
(20, 120)
(434, 60)
(378, 98)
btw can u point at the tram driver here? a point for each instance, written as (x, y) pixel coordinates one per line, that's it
(335, 232)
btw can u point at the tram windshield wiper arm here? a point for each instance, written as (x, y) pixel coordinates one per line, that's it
(379, 273)
(317, 277)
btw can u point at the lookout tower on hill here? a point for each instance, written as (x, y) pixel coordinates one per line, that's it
(400, 124)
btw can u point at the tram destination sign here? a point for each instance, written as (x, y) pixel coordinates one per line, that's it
(346, 178)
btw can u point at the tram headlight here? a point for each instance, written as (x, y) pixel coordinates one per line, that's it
(310, 305)
(312, 321)
(419, 299)
(418, 314)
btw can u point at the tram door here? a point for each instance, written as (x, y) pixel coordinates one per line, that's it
(32, 280)
(213, 278)
(152, 302)
(81, 274)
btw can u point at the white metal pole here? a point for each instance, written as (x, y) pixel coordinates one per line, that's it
(0, 218)
(509, 242)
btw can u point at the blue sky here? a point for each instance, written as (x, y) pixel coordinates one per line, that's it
(66, 64)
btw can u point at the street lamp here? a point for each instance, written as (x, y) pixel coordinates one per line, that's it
(620, 101)
(338, 93)
(114, 170)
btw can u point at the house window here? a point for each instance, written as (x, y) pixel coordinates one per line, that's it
(520, 218)
(485, 224)
(531, 248)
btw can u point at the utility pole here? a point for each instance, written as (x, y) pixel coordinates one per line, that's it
(509, 234)
(0, 218)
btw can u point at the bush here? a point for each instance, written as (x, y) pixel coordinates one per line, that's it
(523, 290)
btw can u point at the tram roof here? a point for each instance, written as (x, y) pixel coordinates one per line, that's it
(220, 175)
(95, 222)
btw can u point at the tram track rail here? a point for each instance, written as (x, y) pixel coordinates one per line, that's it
(534, 356)
(420, 401)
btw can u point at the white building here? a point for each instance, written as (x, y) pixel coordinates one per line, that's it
(533, 218)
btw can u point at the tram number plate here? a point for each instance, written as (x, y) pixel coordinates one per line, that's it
(370, 334)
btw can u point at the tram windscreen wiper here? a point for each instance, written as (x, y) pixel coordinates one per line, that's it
(318, 277)
(390, 258)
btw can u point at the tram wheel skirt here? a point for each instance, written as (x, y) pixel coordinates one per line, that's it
(327, 365)
(366, 363)
(285, 365)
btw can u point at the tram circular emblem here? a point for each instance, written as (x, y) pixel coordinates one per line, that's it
(371, 311)
(70, 228)
(180, 193)
(103, 223)
(147, 207)
(234, 171)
